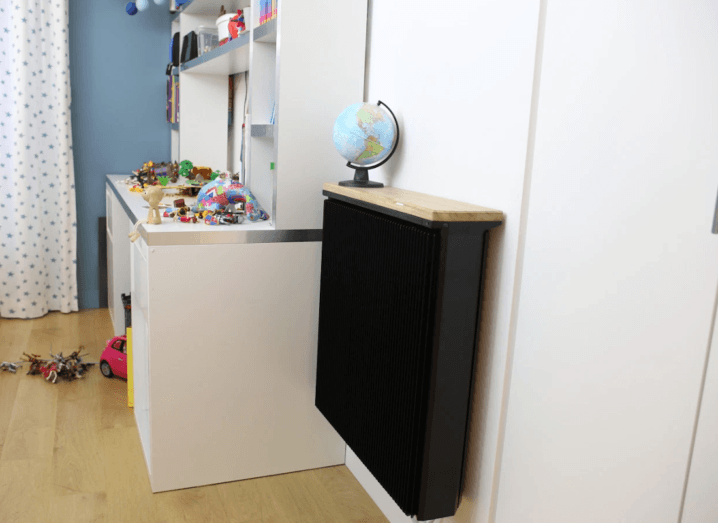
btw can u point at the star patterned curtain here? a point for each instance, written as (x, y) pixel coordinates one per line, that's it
(38, 262)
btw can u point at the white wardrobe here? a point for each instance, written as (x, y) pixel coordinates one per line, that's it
(618, 290)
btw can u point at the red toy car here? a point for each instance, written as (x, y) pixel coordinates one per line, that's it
(114, 358)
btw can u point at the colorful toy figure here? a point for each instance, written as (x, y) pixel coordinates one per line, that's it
(70, 368)
(49, 372)
(237, 24)
(10, 366)
(217, 195)
(185, 168)
(114, 358)
(202, 173)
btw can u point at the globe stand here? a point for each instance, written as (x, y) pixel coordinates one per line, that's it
(361, 179)
(361, 173)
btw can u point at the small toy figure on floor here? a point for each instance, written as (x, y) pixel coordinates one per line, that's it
(10, 366)
(152, 195)
(70, 368)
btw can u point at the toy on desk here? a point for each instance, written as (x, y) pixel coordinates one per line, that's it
(153, 196)
(224, 218)
(190, 189)
(225, 192)
(174, 172)
(145, 174)
(204, 173)
(237, 24)
(185, 168)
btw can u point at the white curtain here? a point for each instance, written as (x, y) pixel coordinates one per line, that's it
(38, 262)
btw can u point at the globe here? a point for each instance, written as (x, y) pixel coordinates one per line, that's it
(365, 134)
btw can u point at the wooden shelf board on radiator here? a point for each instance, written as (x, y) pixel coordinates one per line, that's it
(425, 206)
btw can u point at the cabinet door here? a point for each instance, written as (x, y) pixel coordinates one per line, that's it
(620, 268)
(702, 495)
(108, 209)
(110, 280)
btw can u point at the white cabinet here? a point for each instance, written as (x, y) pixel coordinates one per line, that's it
(118, 260)
(225, 318)
(224, 330)
(231, 392)
(140, 345)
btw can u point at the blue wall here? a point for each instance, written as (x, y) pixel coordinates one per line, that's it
(117, 65)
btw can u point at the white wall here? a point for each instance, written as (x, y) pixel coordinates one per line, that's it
(461, 85)
(620, 268)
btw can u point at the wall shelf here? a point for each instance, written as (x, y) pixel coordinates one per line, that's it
(262, 131)
(230, 58)
(266, 33)
(255, 150)
(210, 7)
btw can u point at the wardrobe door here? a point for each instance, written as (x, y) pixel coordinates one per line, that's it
(620, 267)
(701, 504)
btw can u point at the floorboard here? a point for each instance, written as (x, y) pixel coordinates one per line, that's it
(70, 452)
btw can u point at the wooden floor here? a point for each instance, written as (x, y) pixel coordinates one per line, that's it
(71, 453)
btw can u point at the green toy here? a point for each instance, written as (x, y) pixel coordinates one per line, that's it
(163, 180)
(215, 174)
(185, 168)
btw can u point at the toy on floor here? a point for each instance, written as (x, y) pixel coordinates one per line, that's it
(70, 367)
(114, 358)
(10, 366)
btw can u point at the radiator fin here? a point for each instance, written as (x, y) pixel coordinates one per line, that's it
(375, 340)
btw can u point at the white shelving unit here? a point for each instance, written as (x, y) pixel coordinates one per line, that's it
(307, 69)
(231, 396)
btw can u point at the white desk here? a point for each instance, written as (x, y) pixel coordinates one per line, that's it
(224, 323)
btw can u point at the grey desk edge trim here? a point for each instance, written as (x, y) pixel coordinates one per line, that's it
(218, 237)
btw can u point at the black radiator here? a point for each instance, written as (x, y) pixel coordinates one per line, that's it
(398, 313)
